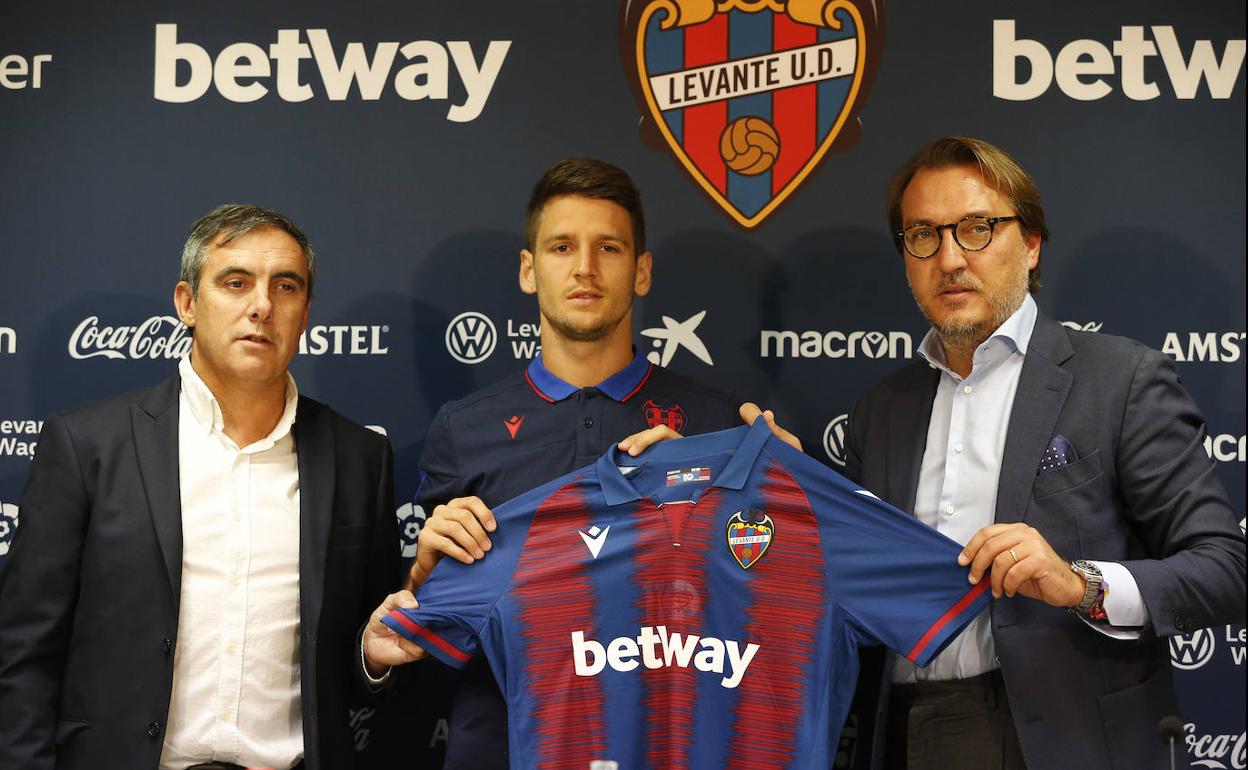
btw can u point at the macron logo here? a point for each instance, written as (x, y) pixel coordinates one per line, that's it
(594, 539)
(658, 649)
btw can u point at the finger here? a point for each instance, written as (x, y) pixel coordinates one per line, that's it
(977, 541)
(749, 412)
(643, 440)
(987, 554)
(1019, 574)
(427, 549)
(465, 529)
(473, 504)
(779, 432)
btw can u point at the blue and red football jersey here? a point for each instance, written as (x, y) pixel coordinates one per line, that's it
(699, 606)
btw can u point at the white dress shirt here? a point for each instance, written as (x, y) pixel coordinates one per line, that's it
(958, 481)
(236, 678)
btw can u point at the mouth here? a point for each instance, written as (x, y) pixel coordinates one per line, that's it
(255, 339)
(583, 297)
(955, 292)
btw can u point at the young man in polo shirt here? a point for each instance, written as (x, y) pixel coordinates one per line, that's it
(585, 259)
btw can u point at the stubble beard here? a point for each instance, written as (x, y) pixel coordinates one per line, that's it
(965, 336)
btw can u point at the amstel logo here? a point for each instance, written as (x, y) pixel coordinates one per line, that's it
(749, 95)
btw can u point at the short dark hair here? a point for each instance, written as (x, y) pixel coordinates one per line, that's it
(998, 168)
(236, 220)
(591, 178)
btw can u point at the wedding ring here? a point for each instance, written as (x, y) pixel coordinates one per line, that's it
(1014, 555)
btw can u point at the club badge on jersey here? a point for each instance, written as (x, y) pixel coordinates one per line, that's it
(749, 535)
(671, 415)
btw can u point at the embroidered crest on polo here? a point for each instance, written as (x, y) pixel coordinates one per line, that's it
(672, 415)
(749, 536)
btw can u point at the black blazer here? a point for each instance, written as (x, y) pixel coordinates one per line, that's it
(89, 594)
(1142, 492)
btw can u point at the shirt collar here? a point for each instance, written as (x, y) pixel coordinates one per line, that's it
(206, 410)
(620, 386)
(745, 443)
(1015, 332)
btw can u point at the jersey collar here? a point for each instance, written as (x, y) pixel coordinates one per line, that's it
(620, 386)
(745, 443)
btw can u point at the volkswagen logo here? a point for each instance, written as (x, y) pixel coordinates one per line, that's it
(470, 337)
(834, 439)
(1191, 650)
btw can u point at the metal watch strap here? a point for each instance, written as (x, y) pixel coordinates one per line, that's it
(1092, 574)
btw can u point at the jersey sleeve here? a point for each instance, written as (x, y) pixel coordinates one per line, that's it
(457, 600)
(895, 578)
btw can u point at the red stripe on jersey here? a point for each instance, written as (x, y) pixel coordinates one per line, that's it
(555, 597)
(430, 636)
(640, 385)
(536, 389)
(672, 592)
(784, 624)
(795, 111)
(948, 618)
(707, 43)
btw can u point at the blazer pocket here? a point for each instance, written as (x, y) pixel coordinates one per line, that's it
(67, 729)
(1068, 477)
(350, 536)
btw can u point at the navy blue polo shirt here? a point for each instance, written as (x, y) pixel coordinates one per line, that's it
(517, 434)
(505, 439)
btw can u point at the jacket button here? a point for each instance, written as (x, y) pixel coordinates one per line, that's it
(153, 730)
(166, 644)
(588, 422)
(1182, 623)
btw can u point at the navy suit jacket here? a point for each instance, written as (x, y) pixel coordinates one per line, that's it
(1142, 492)
(89, 595)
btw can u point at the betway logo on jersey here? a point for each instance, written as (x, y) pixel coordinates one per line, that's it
(659, 649)
(245, 72)
(8, 340)
(18, 438)
(835, 344)
(1080, 65)
(164, 336)
(1219, 347)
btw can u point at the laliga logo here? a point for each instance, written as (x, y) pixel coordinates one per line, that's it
(793, 74)
(160, 336)
(411, 519)
(8, 526)
(1193, 650)
(471, 337)
(834, 439)
(676, 335)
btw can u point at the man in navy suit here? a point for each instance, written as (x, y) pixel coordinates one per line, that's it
(1069, 464)
(194, 559)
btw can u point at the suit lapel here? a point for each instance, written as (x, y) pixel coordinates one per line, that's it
(1042, 389)
(154, 419)
(314, 444)
(911, 412)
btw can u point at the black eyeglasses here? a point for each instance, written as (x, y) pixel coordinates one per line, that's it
(971, 233)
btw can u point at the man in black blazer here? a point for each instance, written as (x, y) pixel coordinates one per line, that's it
(1070, 464)
(195, 558)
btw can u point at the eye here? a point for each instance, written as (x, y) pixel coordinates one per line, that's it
(922, 232)
(561, 248)
(234, 283)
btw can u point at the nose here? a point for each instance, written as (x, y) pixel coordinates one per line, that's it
(586, 262)
(950, 257)
(261, 304)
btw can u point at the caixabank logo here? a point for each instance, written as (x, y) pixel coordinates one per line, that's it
(750, 95)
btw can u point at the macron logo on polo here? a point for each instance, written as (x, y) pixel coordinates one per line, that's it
(594, 539)
(659, 649)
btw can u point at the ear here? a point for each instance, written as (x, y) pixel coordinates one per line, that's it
(1032, 240)
(642, 276)
(528, 281)
(184, 304)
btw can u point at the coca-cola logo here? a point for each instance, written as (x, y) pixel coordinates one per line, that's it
(160, 336)
(1224, 751)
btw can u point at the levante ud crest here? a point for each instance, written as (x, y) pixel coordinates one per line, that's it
(749, 536)
(749, 95)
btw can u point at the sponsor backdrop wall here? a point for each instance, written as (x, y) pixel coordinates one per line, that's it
(405, 137)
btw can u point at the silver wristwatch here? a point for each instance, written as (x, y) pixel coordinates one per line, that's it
(1092, 574)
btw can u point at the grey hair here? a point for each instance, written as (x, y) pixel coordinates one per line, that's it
(234, 220)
